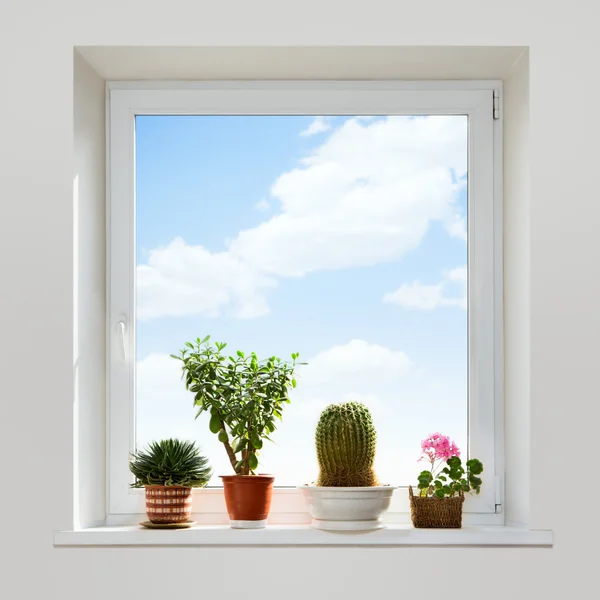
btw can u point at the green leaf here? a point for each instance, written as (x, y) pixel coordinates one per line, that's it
(215, 424)
(454, 462)
(456, 473)
(243, 393)
(256, 441)
(475, 483)
(475, 466)
(253, 461)
(170, 462)
(240, 446)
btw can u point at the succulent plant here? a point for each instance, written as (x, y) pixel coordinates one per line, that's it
(346, 441)
(170, 462)
(244, 395)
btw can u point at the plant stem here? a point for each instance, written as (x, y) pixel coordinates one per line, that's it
(249, 450)
(229, 450)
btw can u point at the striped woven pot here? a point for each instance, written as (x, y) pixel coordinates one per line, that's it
(168, 504)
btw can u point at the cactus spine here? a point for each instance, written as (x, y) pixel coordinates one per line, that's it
(346, 441)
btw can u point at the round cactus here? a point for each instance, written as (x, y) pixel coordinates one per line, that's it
(346, 440)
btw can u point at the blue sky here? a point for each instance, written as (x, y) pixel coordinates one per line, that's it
(342, 238)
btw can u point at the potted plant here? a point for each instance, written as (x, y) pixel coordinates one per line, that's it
(245, 397)
(169, 469)
(347, 495)
(442, 487)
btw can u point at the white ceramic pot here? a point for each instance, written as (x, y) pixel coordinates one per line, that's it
(347, 508)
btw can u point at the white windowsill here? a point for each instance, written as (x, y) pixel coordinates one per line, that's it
(303, 535)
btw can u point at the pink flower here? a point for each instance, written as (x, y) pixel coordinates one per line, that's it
(438, 447)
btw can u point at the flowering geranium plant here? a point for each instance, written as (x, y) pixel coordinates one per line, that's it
(447, 481)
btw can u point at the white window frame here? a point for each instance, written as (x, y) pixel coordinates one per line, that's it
(485, 320)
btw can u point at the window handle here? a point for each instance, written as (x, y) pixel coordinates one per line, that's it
(121, 325)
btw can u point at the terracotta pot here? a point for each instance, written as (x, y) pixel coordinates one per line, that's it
(168, 504)
(248, 499)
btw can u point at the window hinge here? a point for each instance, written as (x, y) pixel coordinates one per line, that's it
(498, 493)
(496, 104)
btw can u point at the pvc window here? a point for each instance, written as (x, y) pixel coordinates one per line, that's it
(158, 135)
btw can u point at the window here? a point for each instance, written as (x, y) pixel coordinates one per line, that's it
(357, 224)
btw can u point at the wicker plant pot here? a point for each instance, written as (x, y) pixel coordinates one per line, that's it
(436, 513)
(168, 504)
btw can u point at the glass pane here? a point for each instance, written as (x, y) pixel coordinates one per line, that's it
(342, 238)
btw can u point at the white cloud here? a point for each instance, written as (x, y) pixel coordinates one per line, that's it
(179, 280)
(419, 296)
(351, 361)
(458, 275)
(368, 194)
(262, 205)
(416, 296)
(165, 409)
(457, 227)
(318, 125)
(405, 408)
(356, 370)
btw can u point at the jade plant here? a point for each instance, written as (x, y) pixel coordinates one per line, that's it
(244, 395)
(346, 441)
(170, 463)
(447, 477)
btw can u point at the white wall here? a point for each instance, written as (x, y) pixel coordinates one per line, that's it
(517, 299)
(37, 290)
(89, 306)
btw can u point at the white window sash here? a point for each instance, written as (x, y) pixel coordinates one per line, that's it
(485, 373)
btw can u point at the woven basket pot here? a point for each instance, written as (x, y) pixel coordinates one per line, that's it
(436, 513)
(168, 504)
